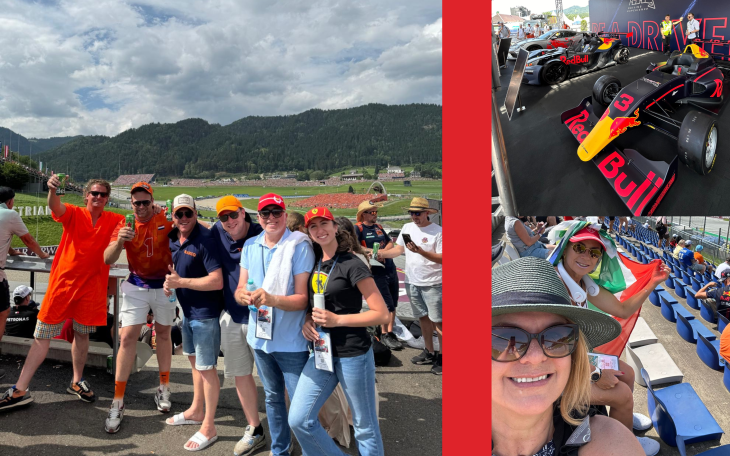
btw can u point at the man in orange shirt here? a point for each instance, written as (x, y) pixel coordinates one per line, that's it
(77, 287)
(148, 254)
(701, 260)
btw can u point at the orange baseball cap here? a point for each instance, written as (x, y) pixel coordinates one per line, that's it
(321, 212)
(271, 198)
(228, 203)
(143, 185)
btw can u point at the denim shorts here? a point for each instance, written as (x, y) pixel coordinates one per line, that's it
(425, 300)
(202, 339)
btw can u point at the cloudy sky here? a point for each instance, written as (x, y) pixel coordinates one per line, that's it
(101, 66)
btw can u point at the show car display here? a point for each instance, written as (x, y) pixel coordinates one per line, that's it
(548, 40)
(592, 52)
(689, 77)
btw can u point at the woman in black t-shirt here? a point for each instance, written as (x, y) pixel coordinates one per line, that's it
(344, 280)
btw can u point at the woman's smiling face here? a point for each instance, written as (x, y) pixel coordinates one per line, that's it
(581, 263)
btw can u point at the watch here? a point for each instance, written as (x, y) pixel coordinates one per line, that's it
(596, 375)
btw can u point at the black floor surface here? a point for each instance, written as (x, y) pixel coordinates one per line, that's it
(548, 176)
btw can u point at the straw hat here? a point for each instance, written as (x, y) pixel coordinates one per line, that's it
(364, 206)
(420, 204)
(531, 284)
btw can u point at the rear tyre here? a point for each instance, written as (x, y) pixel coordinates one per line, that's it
(697, 142)
(534, 47)
(622, 56)
(605, 89)
(555, 72)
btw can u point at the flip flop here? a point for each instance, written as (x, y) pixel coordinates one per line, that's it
(201, 440)
(179, 420)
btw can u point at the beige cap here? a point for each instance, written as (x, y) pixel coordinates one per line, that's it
(183, 201)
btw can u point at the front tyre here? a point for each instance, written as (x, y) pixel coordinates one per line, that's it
(605, 89)
(555, 72)
(622, 56)
(697, 142)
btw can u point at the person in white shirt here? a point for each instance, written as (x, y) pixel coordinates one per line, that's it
(693, 27)
(535, 30)
(503, 31)
(521, 33)
(421, 242)
(722, 268)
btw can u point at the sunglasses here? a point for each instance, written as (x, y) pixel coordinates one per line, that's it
(142, 203)
(510, 344)
(371, 212)
(416, 213)
(99, 194)
(264, 214)
(181, 214)
(581, 249)
(232, 216)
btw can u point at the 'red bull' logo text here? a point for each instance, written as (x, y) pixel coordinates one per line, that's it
(577, 60)
(621, 124)
(718, 88)
(575, 125)
(612, 169)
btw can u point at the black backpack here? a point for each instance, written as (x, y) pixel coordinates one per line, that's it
(381, 353)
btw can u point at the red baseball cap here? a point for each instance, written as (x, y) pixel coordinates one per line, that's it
(588, 233)
(142, 185)
(321, 212)
(271, 198)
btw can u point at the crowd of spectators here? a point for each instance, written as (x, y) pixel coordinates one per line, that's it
(335, 200)
(131, 179)
(42, 176)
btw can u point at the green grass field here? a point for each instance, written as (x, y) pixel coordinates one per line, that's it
(418, 188)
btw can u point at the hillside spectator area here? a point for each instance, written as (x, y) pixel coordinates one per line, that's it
(130, 179)
(338, 200)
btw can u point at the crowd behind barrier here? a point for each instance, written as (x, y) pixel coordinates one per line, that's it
(338, 200)
(43, 176)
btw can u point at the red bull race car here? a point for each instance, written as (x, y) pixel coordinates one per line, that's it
(592, 52)
(689, 77)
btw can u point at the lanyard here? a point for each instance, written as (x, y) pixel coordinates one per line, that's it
(263, 261)
(320, 288)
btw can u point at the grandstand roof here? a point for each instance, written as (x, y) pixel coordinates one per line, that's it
(129, 179)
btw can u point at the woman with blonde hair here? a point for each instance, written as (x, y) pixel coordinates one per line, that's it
(541, 390)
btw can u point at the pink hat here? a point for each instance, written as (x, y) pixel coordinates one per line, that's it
(588, 233)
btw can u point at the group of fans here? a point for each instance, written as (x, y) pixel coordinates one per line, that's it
(261, 293)
(546, 402)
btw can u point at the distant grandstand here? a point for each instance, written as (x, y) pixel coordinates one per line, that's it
(126, 180)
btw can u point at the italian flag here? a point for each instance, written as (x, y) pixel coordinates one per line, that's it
(616, 273)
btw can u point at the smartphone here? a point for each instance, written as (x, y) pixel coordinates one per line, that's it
(406, 238)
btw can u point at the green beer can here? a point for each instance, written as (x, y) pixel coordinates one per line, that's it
(376, 246)
(130, 220)
(169, 210)
(110, 364)
(61, 190)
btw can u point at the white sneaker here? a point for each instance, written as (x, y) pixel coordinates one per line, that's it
(162, 399)
(650, 446)
(114, 419)
(642, 422)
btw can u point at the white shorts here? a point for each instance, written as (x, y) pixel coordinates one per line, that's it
(137, 302)
(237, 354)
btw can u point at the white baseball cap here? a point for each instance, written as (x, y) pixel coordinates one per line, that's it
(22, 291)
(183, 201)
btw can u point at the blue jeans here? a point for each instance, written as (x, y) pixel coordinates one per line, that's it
(357, 376)
(276, 371)
(202, 339)
(538, 250)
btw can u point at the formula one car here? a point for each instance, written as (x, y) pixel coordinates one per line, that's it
(549, 40)
(590, 53)
(691, 77)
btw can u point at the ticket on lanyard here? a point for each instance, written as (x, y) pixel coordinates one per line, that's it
(323, 351)
(265, 322)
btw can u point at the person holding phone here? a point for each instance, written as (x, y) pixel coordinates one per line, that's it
(526, 241)
(420, 240)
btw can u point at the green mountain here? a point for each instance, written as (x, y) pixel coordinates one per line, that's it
(581, 10)
(313, 140)
(26, 146)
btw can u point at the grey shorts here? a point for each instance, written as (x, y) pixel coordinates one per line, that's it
(238, 357)
(425, 300)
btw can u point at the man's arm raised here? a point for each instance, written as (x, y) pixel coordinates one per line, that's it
(54, 201)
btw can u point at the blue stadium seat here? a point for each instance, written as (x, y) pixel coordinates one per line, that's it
(670, 308)
(679, 415)
(707, 312)
(689, 329)
(709, 352)
(679, 288)
(691, 300)
(670, 281)
(722, 322)
(654, 296)
(696, 285)
(723, 450)
(686, 276)
(726, 377)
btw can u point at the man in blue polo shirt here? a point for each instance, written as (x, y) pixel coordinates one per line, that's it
(687, 257)
(197, 279)
(230, 233)
(279, 263)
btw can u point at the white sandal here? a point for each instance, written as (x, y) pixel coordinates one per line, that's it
(202, 441)
(179, 420)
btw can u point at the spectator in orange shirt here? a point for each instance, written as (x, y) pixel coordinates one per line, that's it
(148, 254)
(700, 259)
(77, 287)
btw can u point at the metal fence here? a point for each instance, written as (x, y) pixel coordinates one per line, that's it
(712, 233)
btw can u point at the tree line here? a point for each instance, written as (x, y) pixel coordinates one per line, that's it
(312, 142)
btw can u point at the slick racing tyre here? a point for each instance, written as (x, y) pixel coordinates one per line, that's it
(697, 142)
(555, 72)
(622, 56)
(534, 47)
(605, 89)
